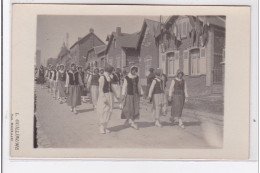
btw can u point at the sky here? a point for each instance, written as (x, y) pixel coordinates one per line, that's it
(51, 30)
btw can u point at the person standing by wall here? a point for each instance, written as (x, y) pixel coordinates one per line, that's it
(156, 93)
(131, 92)
(178, 95)
(73, 82)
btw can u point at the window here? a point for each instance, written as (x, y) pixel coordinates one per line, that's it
(203, 63)
(186, 62)
(184, 29)
(195, 62)
(173, 63)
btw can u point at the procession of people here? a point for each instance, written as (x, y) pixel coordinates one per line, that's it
(103, 87)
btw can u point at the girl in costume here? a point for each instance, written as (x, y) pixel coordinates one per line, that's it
(105, 102)
(131, 92)
(156, 93)
(177, 95)
(73, 82)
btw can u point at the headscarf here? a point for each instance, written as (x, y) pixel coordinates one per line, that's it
(158, 72)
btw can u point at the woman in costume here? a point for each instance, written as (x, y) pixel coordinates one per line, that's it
(105, 102)
(156, 93)
(131, 92)
(177, 95)
(73, 82)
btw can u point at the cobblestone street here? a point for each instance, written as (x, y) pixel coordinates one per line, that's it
(57, 127)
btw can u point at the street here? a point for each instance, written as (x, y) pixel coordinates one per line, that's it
(58, 127)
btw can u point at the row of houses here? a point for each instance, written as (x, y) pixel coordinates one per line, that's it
(194, 44)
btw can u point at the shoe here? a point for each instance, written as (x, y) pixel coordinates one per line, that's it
(75, 111)
(71, 109)
(158, 124)
(107, 131)
(181, 125)
(102, 130)
(134, 125)
(126, 123)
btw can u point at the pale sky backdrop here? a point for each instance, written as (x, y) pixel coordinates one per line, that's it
(51, 30)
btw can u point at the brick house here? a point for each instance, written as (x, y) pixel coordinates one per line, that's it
(195, 45)
(121, 50)
(148, 48)
(64, 56)
(96, 56)
(80, 49)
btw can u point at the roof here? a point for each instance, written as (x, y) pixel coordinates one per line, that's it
(126, 40)
(129, 41)
(99, 49)
(153, 26)
(87, 36)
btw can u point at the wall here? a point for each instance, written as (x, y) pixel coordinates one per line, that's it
(148, 50)
(85, 45)
(113, 53)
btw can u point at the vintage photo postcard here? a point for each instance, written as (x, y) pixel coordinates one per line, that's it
(130, 82)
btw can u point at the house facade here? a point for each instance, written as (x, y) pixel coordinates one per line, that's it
(196, 46)
(96, 57)
(80, 49)
(148, 48)
(121, 51)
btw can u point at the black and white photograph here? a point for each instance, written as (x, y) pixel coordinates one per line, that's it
(129, 81)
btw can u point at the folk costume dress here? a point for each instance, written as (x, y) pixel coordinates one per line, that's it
(131, 92)
(73, 82)
(104, 103)
(61, 83)
(178, 92)
(156, 92)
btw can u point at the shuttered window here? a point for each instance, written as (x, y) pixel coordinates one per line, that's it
(186, 62)
(203, 63)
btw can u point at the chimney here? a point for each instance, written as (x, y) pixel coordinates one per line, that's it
(91, 30)
(118, 31)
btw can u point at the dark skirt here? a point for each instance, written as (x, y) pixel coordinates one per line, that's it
(83, 91)
(74, 98)
(61, 88)
(40, 80)
(177, 105)
(131, 107)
